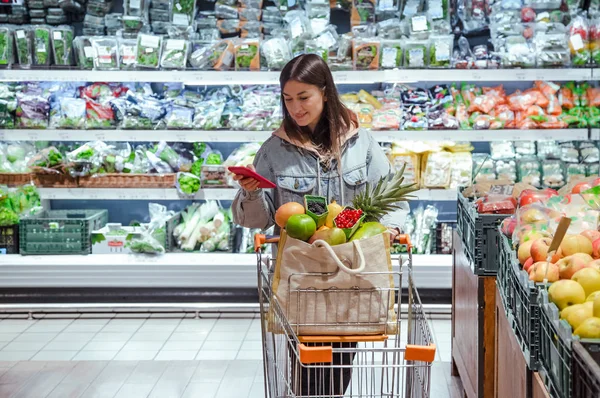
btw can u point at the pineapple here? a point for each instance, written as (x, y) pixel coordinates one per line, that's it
(382, 199)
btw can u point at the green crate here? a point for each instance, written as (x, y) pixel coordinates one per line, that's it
(9, 239)
(60, 231)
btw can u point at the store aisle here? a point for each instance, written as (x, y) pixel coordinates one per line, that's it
(132, 356)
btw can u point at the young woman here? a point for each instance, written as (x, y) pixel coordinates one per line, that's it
(318, 150)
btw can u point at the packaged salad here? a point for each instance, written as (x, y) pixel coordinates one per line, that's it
(71, 114)
(106, 53)
(41, 45)
(174, 54)
(391, 54)
(415, 54)
(247, 55)
(148, 51)
(6, 46)
(62, 45)
(440, 51)
(179, 118)
(365, 54)
(127, 54)
(276, 52)
(84, 52)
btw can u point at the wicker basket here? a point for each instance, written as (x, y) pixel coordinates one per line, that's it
(54, 181)
(123, 180)
(15, 179)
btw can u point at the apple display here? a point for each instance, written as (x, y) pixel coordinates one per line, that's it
(543, 270)
(589, 279)
(568, 266)
(565, 293)
(572, 244)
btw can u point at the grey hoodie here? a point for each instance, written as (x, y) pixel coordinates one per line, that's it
(297, 170)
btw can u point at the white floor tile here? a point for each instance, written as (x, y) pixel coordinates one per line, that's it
(229, 325)
(187, 336)
(226, 336)
(136, 355)
(35, 337)
(54, 355)
(10, 328)
(204, 390)
(182, 345)
(49, 326)
(254, 355)
(104, 346)
(91, 319)
(95, 356)
(151, 336)
(5, 337)
(252, 345)
(112, 336)
(216, 355)
(16, 355)
(157, 328)
(65, 345)
(176, 355)
(83, 328)
(257, 390)
(222, 345)
(81, 336)
(196, 325)
(25, 346)
(143, 345)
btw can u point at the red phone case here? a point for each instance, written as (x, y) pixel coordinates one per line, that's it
(246, 172)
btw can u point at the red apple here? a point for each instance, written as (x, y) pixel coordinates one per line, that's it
(596, 248)
(571, 264)
(539, 249)
(528, 264)
(508, 226)
(543, 270)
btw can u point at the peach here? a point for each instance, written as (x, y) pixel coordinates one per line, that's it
(572, 244)
(539, 249)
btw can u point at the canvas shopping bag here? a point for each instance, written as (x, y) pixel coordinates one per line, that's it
(327, 290)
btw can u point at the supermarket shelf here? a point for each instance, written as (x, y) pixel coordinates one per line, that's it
(260, 136)
(595, 134)
(171, 270)
(344, 77)
(172, 194)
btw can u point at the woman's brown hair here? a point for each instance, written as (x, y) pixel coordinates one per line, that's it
(336, 118)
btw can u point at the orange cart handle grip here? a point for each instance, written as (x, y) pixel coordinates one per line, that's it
(261, 239)
(404, 239)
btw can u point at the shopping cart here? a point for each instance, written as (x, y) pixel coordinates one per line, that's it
(362, 366)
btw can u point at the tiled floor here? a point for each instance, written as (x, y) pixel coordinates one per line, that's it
(148, 356)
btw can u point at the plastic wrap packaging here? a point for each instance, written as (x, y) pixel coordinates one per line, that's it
(416, 54)
(553, 174)
(187, 184)
(548, 149)
(6, 46)
(569, 152)
(136, 8)
(247, 55)
(578, 36)
(502, 150)
(483, 168)
(530, 171)
(174, 54)
(208, 115)
(218, 56)
(86, 159)
(127, 53)
(179, 117)
(437, 170)
(106, 53)
(47, 161)
(148, 51)
(62, 45)
(589, 152)
(403, 158)
(33, 110)
(362, 12)
(440, 51)
(184, 12)
(366, 54)
(462, 170)
(575, 171)
(506, 170)
(425, 221)
(71, 114)
(276, 52)
(525, 148)
(420, 26)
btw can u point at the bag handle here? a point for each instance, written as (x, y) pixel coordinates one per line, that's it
(361, 257)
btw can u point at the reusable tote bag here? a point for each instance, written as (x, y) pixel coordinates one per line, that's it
(337, 290)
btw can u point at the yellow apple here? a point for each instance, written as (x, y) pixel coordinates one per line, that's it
(589, 279)
(530, 236)
(524, 252)
(564, 314)
(572, 244)
(565, 293)
(597, 307)
(593, 296)
(579, 315)
(543, 270)
(589, 329)
(571, 264)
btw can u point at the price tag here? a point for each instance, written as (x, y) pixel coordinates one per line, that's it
(181, 137)
(502, 189)
(33, 136)
(520, 75)
(64, 136)
(476, 76)
(228, 77)
(479, 138)
(341, 77)
(213, 138)
(100, 136)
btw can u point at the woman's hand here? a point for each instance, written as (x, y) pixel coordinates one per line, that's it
(394, 232)
(248, 184)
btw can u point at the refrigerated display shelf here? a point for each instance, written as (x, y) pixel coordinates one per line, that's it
(170, 270)
(260, 136)
(342, 77)
(172, 194)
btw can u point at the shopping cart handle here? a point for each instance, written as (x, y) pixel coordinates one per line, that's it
(404, 239)
(318, 354)
(421, 353)
(261, 239)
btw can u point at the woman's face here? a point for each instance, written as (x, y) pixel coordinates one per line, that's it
(304, 102)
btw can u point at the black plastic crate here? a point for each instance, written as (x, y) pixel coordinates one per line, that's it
(555, 348)
(586, 369)
(521, 299)
(478, 233)
(60, 231)
(9, 239)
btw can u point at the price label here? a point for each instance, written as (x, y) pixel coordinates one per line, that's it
(502, 189)
(181, 137)
(520, 75)
(64, 136)
(479, 138)
(33, 136)
(132, 137)
(100, 136)
(228, 77)
(213, 138)
(341, 77)
(476, 76)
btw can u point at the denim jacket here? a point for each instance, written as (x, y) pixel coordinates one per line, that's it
(298, 171)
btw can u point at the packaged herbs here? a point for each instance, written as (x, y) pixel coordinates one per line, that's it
(136, 8)
(440, 51)
(41, 49)
(174, 54)
(6, 46)
(180, 117)
(84, 52)
(247, 55)
(71, 114)
(127, 53)
(32, 111)
(148, 51)
(391, 54)
(106, 54)
(415, 54)
(24, 45)
(62, 45)
(363, 12)
(183, 12)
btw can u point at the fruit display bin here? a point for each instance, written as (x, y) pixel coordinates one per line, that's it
(60, 231)
(9, 239)
(478, 233)
(520, 295)
(558, 359)
(124, 180)
(585, 370)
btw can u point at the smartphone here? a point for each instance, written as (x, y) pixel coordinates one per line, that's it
(246, 172)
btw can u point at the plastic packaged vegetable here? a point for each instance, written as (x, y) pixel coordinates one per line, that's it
(179, 118)
(6, 46)
(391, 54)
(33, 111)
(62, 45)
(148, 51)
(415, 54)
(578, 32)
(106, 54)
(247, 55)
(183, 12)
(174, 54)
(366, 54)
(71, 115)
(276, 52)
(440, 51)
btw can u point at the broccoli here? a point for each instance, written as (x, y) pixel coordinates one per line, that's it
(188, 184)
